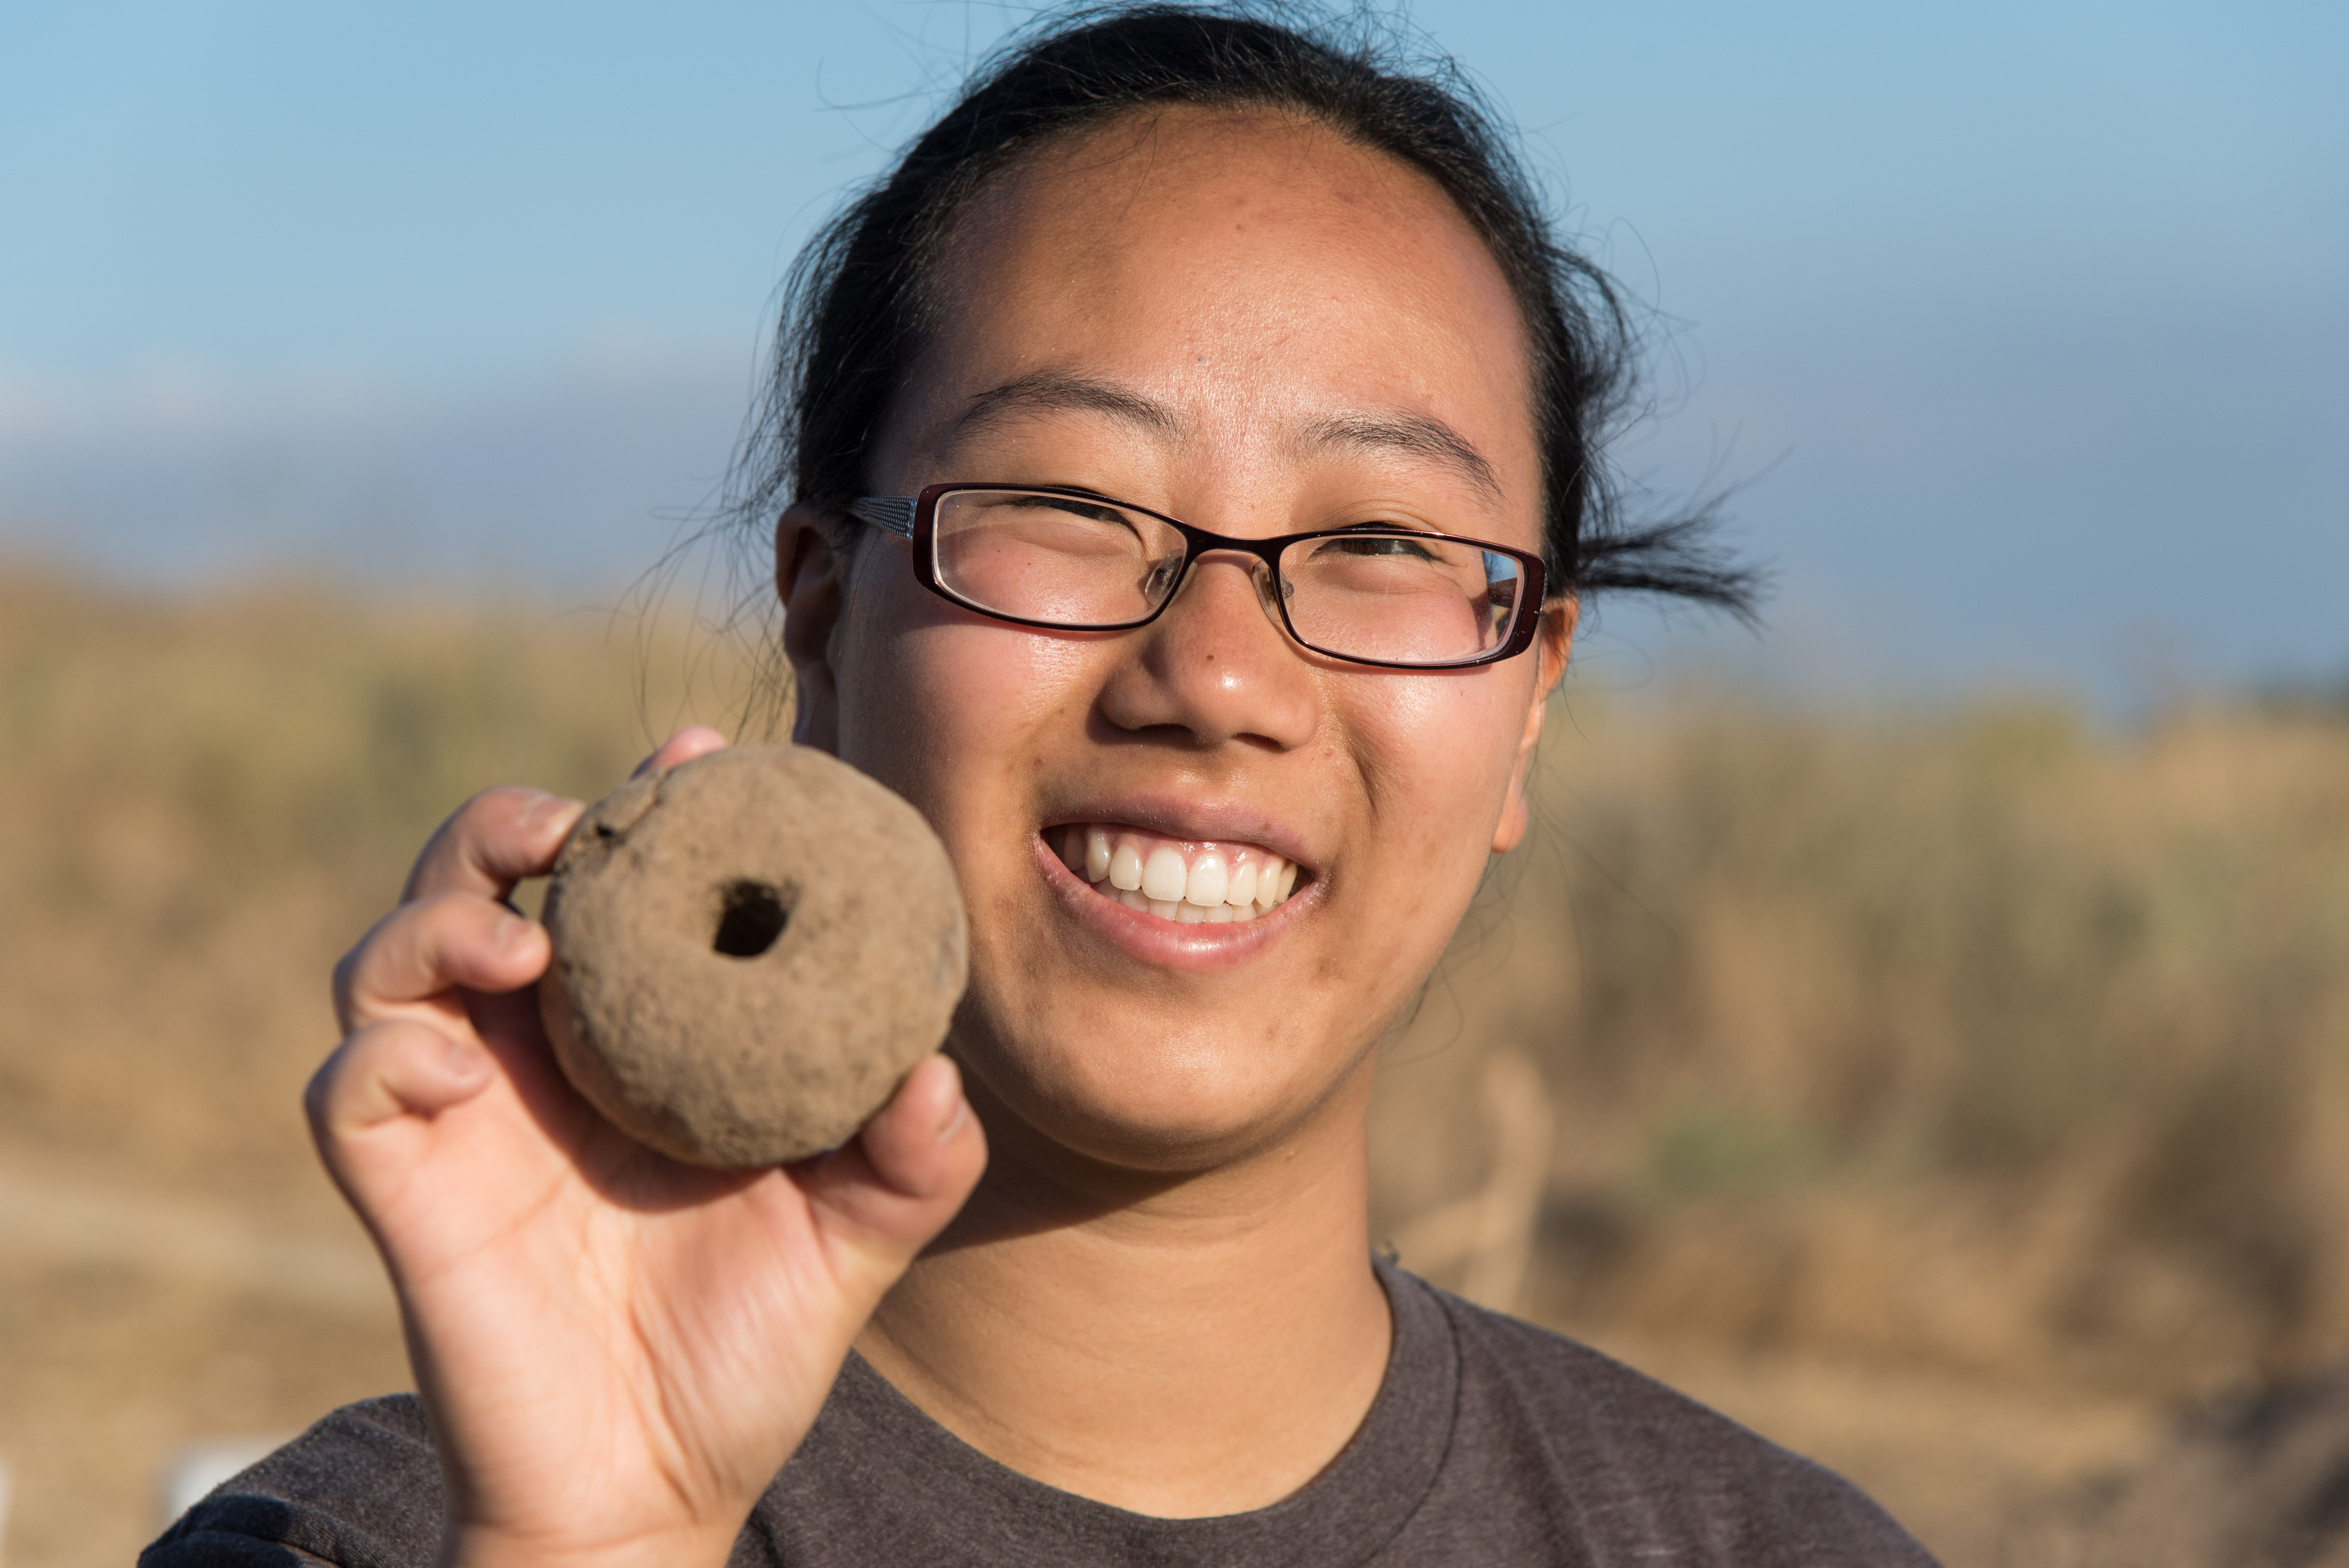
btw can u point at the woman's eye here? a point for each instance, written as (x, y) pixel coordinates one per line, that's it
(1086, 509)
(1378, 544)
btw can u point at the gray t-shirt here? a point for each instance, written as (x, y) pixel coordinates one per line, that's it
(1491, 1441)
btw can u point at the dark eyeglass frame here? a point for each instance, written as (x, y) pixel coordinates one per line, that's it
(915, 518)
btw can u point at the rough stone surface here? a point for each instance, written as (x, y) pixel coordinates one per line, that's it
(758, 1056)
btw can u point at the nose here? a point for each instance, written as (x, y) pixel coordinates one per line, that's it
(1217, 665)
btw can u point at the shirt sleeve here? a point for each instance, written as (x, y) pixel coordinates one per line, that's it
(361, 1489)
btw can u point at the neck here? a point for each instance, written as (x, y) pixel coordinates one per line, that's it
(1176, 1345)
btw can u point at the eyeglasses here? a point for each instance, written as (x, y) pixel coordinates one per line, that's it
(1042, 556)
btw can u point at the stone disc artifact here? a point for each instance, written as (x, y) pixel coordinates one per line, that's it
(751, 952)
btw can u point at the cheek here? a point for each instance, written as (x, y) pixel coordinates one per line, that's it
(1435, 753)
(947, 709)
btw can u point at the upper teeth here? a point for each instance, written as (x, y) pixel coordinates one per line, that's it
(1176, 880)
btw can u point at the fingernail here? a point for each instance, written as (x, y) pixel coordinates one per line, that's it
(509, 931)
(464, 1058)
(957, 1113)
(547, 807)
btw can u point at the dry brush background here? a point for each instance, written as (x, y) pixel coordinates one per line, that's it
(1958, 1095)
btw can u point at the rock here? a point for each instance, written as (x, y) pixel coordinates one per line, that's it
(751, 952)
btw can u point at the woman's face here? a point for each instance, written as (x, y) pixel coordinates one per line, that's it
(1244, 323)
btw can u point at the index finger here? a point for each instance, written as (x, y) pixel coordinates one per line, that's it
(492, 842)
(501, 836)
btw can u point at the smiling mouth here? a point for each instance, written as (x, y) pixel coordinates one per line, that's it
(1192, 883)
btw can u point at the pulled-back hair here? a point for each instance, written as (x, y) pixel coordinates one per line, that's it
(858, 302)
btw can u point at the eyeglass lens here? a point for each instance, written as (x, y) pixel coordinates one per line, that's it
(1396, 598)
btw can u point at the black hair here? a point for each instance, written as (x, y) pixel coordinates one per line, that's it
(857, 303)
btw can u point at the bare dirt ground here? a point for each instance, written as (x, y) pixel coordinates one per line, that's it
(135, 1322)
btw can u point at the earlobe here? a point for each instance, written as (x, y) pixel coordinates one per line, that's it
(1551, 647)
(1510, 831)
(807, 578)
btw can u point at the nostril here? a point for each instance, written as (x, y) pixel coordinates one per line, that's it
(750, 917)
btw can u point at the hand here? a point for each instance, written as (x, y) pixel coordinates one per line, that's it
(617, 1351)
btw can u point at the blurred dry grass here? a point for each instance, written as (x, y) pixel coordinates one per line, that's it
(1951, 1093)
(203, 803)
(1975, 1057)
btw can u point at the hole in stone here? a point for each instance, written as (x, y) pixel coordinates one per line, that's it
(749, 920)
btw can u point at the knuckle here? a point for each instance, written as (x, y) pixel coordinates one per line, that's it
(485, 818)
(342, 987)
(497, 804)
(318, 1095)
(407, 956)
(318, 1091)
(345, 984)
(436, 923)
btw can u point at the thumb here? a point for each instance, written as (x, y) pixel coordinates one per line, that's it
(883, 1197)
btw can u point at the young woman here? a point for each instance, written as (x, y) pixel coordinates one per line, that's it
(1094, 1286)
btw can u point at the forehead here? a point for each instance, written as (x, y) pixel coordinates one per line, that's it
(1251, 272)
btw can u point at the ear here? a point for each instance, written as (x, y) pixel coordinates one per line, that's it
(808, 576)
(1552, 643)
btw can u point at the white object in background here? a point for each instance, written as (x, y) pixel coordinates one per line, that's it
(195, 1468)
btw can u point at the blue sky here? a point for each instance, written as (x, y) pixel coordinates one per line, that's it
(2024, 322)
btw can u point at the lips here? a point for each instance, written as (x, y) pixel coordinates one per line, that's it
(1187, 881)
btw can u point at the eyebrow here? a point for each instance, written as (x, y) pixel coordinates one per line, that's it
(1413, 433)
(1042, 391)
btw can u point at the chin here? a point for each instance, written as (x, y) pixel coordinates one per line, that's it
(1168, 1105)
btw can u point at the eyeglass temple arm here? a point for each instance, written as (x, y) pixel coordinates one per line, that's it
(892, 512)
